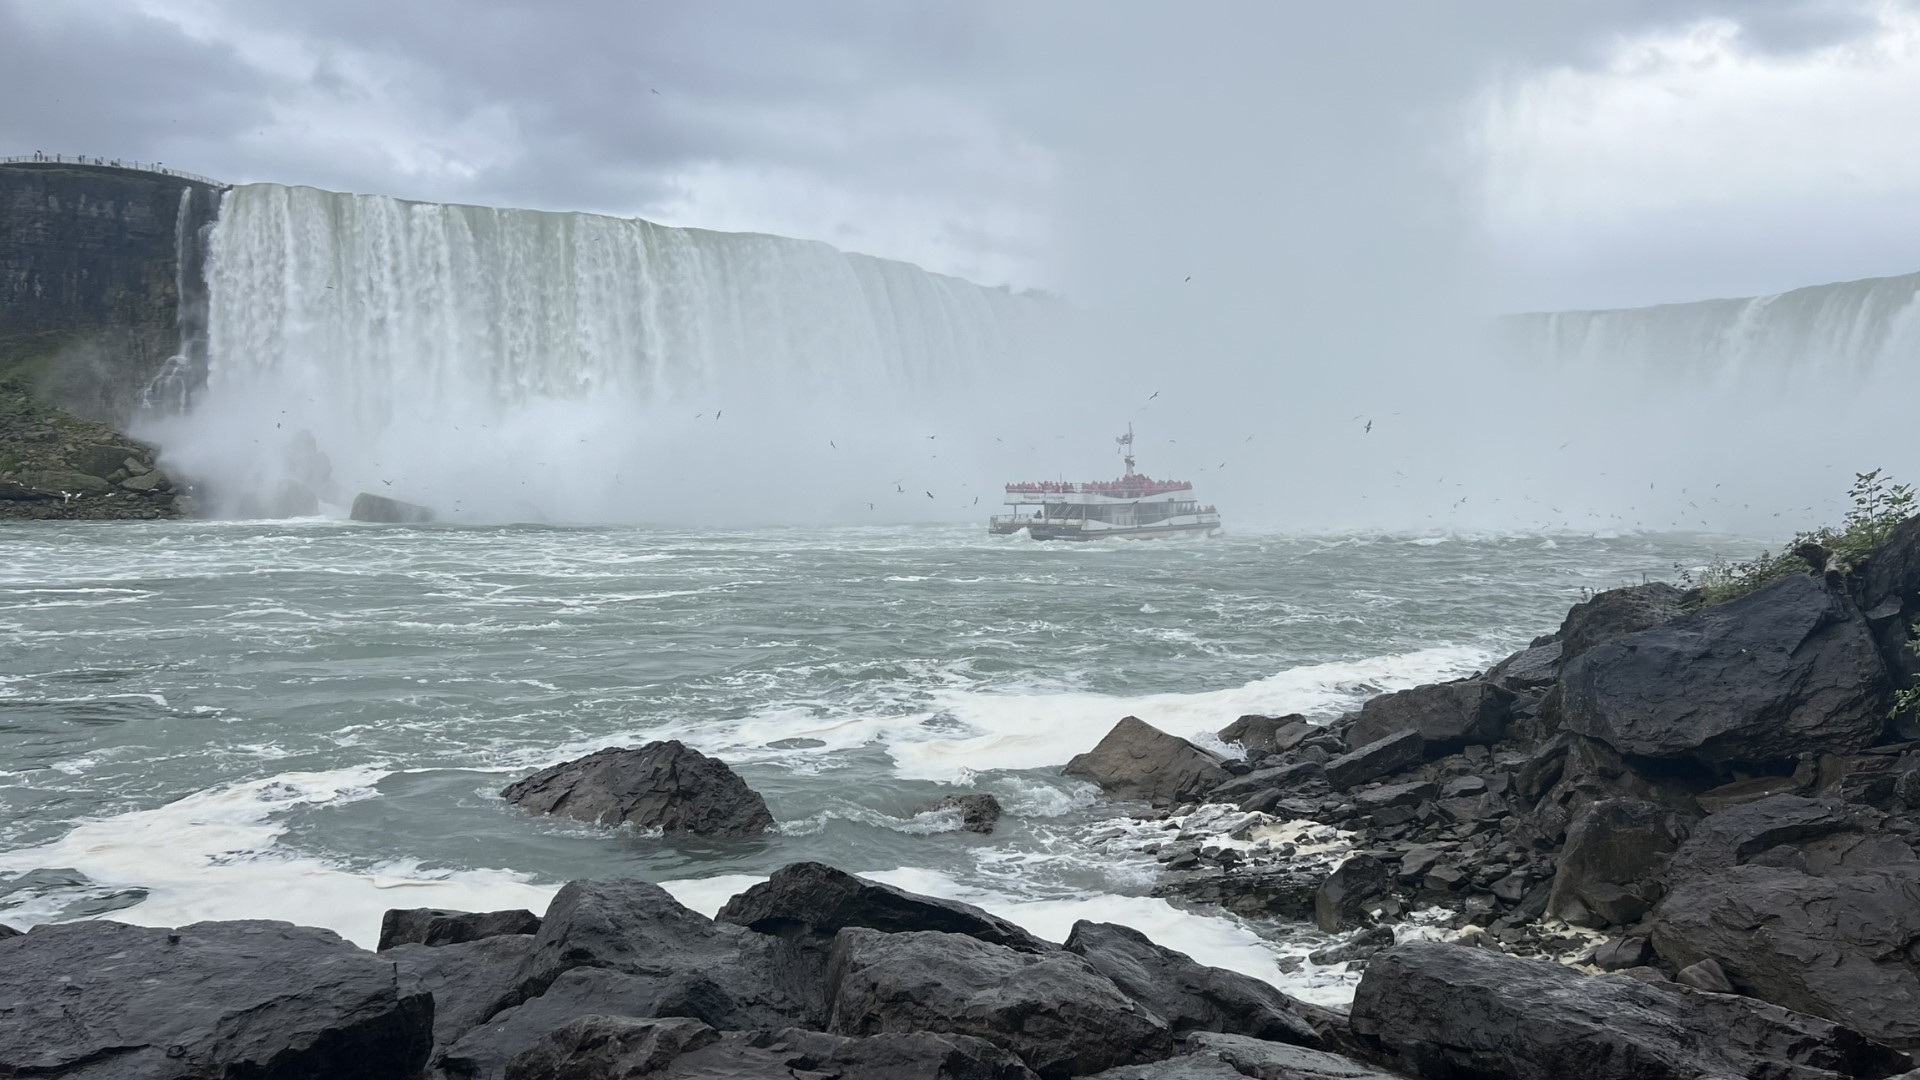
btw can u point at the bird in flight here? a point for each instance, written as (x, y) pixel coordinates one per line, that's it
(1189, 277)
(833, 444)
(389, 483)
(1369, 427)
(717, 412)
(929, 494)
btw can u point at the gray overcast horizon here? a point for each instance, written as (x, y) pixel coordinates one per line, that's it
(1602, 153)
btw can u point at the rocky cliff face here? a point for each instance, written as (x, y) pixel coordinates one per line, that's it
(94, 265)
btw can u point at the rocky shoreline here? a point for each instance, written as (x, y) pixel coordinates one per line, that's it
(59, 467)
(1673, 839)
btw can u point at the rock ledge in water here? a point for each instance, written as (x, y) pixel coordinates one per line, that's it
(663, 785)
(370, 507)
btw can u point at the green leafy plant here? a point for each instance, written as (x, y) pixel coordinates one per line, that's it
(1879, 504)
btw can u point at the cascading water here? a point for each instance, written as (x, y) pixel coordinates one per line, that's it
(510, 364)
(1851, 328)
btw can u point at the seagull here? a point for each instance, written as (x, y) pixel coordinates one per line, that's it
(869, 506)
(717, 412)
(929, 494)
(1189, 277)
(831, 443)
(651, 90)
(699, 416)
(1369, 427)
(389, 483)
(1153, 395)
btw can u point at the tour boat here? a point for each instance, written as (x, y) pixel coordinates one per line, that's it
(1135, 506)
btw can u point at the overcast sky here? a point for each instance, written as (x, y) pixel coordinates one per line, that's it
(1595, 154)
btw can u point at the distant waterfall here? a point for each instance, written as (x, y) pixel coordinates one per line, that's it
(1848, 329)
(353, 338)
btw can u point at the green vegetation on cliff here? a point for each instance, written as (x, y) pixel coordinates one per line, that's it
(1879, 504)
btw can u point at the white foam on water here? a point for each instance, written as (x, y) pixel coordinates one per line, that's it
(213, 855)
(1036, 730)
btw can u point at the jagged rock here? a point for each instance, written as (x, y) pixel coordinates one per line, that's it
(1209, 1056)
(378, 508)
(1737, 835)
(1615, 853)
(1740, 792)
(1188, 995)
(1283, 780)
(664, 785)
(436, 926)
(1386, 796)
(1838, 947)
(7, 932)
(63, 482)
(1532, 668)
(225, 999)
(1624, 952)
(1359, 947)
(1055, 1011)
(1906, 789)
(1705, 975)
(1270, 892)
(1867, 779)
(977, 813)
(1341, 900)
(725, 974)
(1268, 734)
(469, 981)
(1543, 767)
(1789, 669)
(813, 898)
(614, 1048)
(1614, 614)
(484, 1052)
(1455, 1011)
(1383, 757)
(1447, 715)
(1139, 761)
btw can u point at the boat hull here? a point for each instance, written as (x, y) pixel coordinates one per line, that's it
(1047, 531)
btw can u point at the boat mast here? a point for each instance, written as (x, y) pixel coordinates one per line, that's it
(1126, 444)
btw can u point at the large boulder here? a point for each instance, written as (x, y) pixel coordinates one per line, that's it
(437, 926)
(662, 785)
(976, 813)
(1062, 1017)
(1187, 994)
(1382, 757)
(1614, 614)
(1610, 868)
(1737, 835)
(814, 898)
(1532, 668)
(734, 977)
(615, 1048)
(1456, 1011)
(378, 508)
(1209, 1056)
(221, 999)
(1448, 716)
(1783, 671)
(1340, 902)
(1139, 761)
(1268, 734)
(469, 980)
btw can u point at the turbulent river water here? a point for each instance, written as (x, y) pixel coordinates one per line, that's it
(310, 720)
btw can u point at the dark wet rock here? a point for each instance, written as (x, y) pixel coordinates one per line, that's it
(1062, 1017)
(1543, 767)
(1188, 995)
(615, 1048)
(7, 932)
(724, 974)
(228, 999)
(1839, 947)
(1623, 952)
(814, 898)
(1532, 668)
(1448, 716)
(1615, 854)
(435, 926)
(484, 1052)
(469, 980)
(663, 785)
(1867, 779)
(1268, 734)
(379, 508)
(1139, 761)
(977, 813)
(1283, 891)
(1614, 614)
(1386, 796)
(1303, 777)
(1383, 757)
(1341, 900)
(1210, 1056)
(1906, 790)
(1786, 670)
(1453, 1011)
(1737, 835)
(1705, 975)
(1359, 947)
(1740, 792)
(1652, 975)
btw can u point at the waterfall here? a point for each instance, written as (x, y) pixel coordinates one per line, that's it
(1850, 329)
(439, 352)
